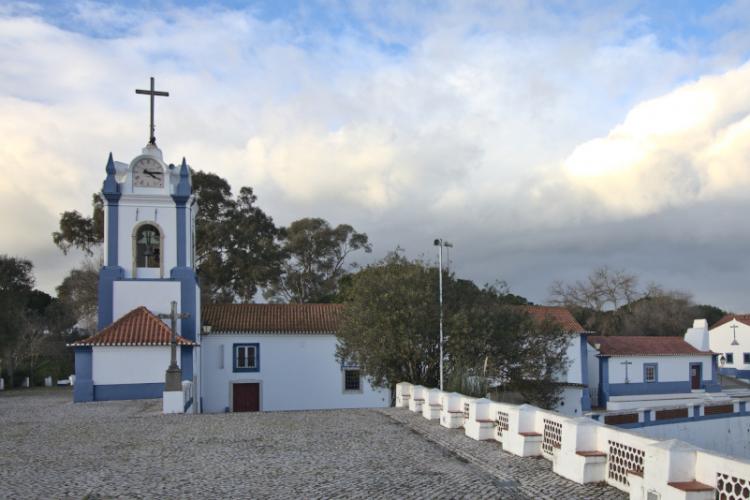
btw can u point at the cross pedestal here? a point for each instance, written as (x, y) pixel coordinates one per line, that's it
(173, 400)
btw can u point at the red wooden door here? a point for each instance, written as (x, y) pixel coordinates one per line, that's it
(245, 397)
(695, 376)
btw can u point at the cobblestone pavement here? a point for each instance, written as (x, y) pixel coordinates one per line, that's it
(52, 448)
(533, 477)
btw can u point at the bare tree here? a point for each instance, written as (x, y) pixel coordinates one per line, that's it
(604, 289)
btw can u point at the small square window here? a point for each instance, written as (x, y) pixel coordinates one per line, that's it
(746, 358)
(246, 358)
(649, 372)
(730, 358)
(352, 380)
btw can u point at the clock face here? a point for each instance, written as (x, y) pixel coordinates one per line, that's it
(148, 172)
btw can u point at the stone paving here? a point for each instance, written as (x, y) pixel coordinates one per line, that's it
(52, 448)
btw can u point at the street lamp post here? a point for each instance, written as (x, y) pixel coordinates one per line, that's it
(440, 243)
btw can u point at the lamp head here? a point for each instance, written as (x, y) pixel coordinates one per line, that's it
(437, 242)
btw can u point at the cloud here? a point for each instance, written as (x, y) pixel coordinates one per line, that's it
(474, 122)
(689, 145)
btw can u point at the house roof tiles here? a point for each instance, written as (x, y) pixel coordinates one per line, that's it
(643, 346)
(742, 318)
(555, 313)
(139, 327)
(273, 318)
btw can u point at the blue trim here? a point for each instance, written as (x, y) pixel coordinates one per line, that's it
(585, 396)
(603, 381)
(181, 235)
(646, 417)
(107, 277)
(186, 362)
(187, 404)
(183, 190)
(257, 357)
(655, 366)
(128, 391)
(650, 423)
(188, 280)
(111, 193)
(734, 372)
(638, 388)
(83, 390)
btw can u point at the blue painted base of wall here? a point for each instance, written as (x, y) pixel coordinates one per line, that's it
(117, 392)
(642, 388)
(734, 372)
(83, 391)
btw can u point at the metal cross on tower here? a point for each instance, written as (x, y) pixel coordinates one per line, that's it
(626, 363)
(174, 374)
(152, 93)
(734, 331)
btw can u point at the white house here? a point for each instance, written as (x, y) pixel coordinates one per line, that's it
(630, 372)
(730, 337)
(279, 357)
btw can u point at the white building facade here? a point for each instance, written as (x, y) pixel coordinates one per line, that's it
(730, 338)
(271, 357)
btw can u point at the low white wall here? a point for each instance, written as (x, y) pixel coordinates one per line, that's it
(297, 372)
(130, 365)
(729, 435)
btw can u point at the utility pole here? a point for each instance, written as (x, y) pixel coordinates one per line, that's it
(440, 243)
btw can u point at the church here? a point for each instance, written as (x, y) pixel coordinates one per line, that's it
(240, 357)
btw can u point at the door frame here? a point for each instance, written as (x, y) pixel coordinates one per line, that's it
(700, 375)
(245, 381)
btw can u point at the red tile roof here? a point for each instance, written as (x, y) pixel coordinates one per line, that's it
(742, 318)
(273, 318)
(139, 327)
(645, 346)
(555, 313)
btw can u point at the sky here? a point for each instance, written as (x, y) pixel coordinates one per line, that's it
(543, 139)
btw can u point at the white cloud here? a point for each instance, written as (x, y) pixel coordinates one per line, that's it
(688, 145)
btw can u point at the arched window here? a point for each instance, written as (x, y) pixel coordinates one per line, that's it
(147, 246)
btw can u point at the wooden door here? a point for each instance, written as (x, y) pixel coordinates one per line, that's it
(695, 376)
(246, 397)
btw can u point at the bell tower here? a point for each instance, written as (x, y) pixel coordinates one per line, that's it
(149, 247)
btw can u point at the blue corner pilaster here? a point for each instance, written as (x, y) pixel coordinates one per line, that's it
(107, 277)
(585, 397)
(181, 196)
(83, 390)
(186, 362)
(603, 381)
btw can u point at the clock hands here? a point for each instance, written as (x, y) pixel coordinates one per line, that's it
(152, 174)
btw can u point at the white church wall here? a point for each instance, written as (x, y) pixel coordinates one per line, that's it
(156, 296)
(574, 373)
(670, 368)
(725, 435)
(720, 340)
(297, 372)
(130, 365)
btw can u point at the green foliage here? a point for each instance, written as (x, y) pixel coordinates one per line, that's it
(237, 251)
(79, 293)
(84, 233)
(315, 257)
(390, 328)
(390, 323)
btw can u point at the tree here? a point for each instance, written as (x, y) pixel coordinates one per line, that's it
(491, 339)
(390, 322)
(16, 284)
(79, 291)
(389, 327)
(316, 254)
(84, 233)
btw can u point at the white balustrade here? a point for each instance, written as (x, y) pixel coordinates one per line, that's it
(584, 450)
(403, 394)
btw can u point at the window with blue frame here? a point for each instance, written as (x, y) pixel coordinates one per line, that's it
(746, 358)
(246, 357)
(650, 372)
(729, 357)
